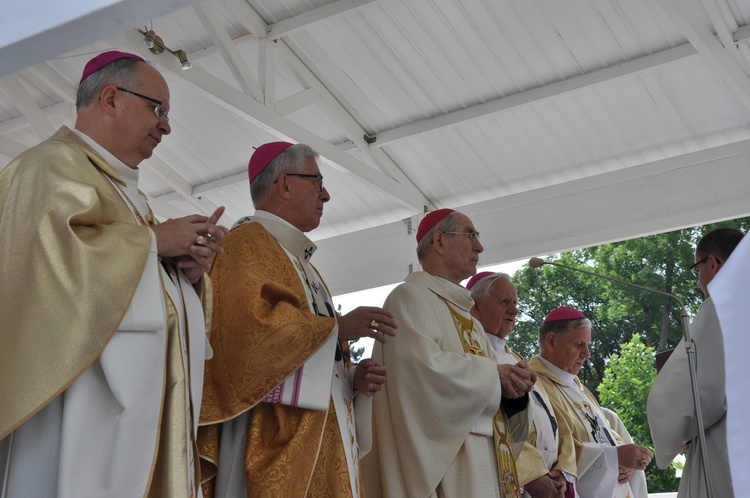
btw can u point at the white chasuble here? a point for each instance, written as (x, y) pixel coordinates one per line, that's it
(432, 421)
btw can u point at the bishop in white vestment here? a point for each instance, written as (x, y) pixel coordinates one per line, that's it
(606, 466)
(446, 422)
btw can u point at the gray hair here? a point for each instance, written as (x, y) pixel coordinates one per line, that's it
(482, 288)
(122, 72)
(561, 327)
(447, 224)
(291, 160)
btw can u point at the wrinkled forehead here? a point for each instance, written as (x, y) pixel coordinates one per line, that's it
(578, 334)
(502, 287)
(463, 222)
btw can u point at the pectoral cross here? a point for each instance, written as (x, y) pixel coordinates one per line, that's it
(473, 346)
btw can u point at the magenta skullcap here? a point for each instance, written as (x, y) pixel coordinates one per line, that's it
(104, 59)
(430, 221)
(263, 156)
(476, 278)
(563, 313)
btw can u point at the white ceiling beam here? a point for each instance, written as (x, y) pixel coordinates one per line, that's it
(221, 183)
(550, 91)
(33, 113)
(682, 14)
(560, 217)
(267, 71)
(295, 102)
(160, 168)
(247, 17)
(312, 17)
(722, 19)
(265, 118)
(207, 15)
(21, 121)
(55, 81)
(39, 30)
(351, 127)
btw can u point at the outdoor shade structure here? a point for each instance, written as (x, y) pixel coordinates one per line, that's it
(553, 125)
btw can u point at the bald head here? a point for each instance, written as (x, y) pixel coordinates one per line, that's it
(117, 109)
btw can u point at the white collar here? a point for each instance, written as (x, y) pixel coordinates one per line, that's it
(124, 172)
(566, 377)
(497, 342)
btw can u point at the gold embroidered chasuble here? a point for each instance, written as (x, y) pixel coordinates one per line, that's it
(433, 420)
(263, 330)
(54, 203)
(88, 233)
(594, 469)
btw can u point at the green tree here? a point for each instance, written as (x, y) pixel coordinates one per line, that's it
(660, 262)
(624, 390)
(617, 313)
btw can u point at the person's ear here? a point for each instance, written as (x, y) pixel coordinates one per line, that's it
(107, 100)
(550, 340)
(437, 241)
(282, 187)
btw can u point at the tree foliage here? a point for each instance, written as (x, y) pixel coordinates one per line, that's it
(618, 312)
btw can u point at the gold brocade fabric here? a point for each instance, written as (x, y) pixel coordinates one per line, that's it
(331, 475)
(262, 331)
(506, 464)
(72, 256)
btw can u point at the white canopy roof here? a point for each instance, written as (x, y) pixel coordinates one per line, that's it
(552, 124)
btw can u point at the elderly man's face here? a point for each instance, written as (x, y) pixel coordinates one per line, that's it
(497, 311)
(460, 252)
(570, 350)
(307, 196)
(140, 129)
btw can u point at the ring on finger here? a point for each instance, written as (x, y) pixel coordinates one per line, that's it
(374, 325)
(201, 240)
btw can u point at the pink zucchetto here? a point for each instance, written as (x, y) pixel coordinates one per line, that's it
(563, 313)
(106, 58)
(476, 278)
(431, 220)
(263, 156)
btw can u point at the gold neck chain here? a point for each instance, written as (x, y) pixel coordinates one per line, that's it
(148, 219)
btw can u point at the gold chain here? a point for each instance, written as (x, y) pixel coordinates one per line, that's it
(149, 220)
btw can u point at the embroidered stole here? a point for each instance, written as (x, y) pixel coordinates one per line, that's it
(506, 464)
(590, 415)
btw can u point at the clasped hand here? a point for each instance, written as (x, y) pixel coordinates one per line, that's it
(177, 239)
(369, 377)
(516, 380)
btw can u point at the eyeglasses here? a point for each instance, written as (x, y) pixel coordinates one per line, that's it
(696, 271)
(318, 179)
(473, 235)
(161, 113)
